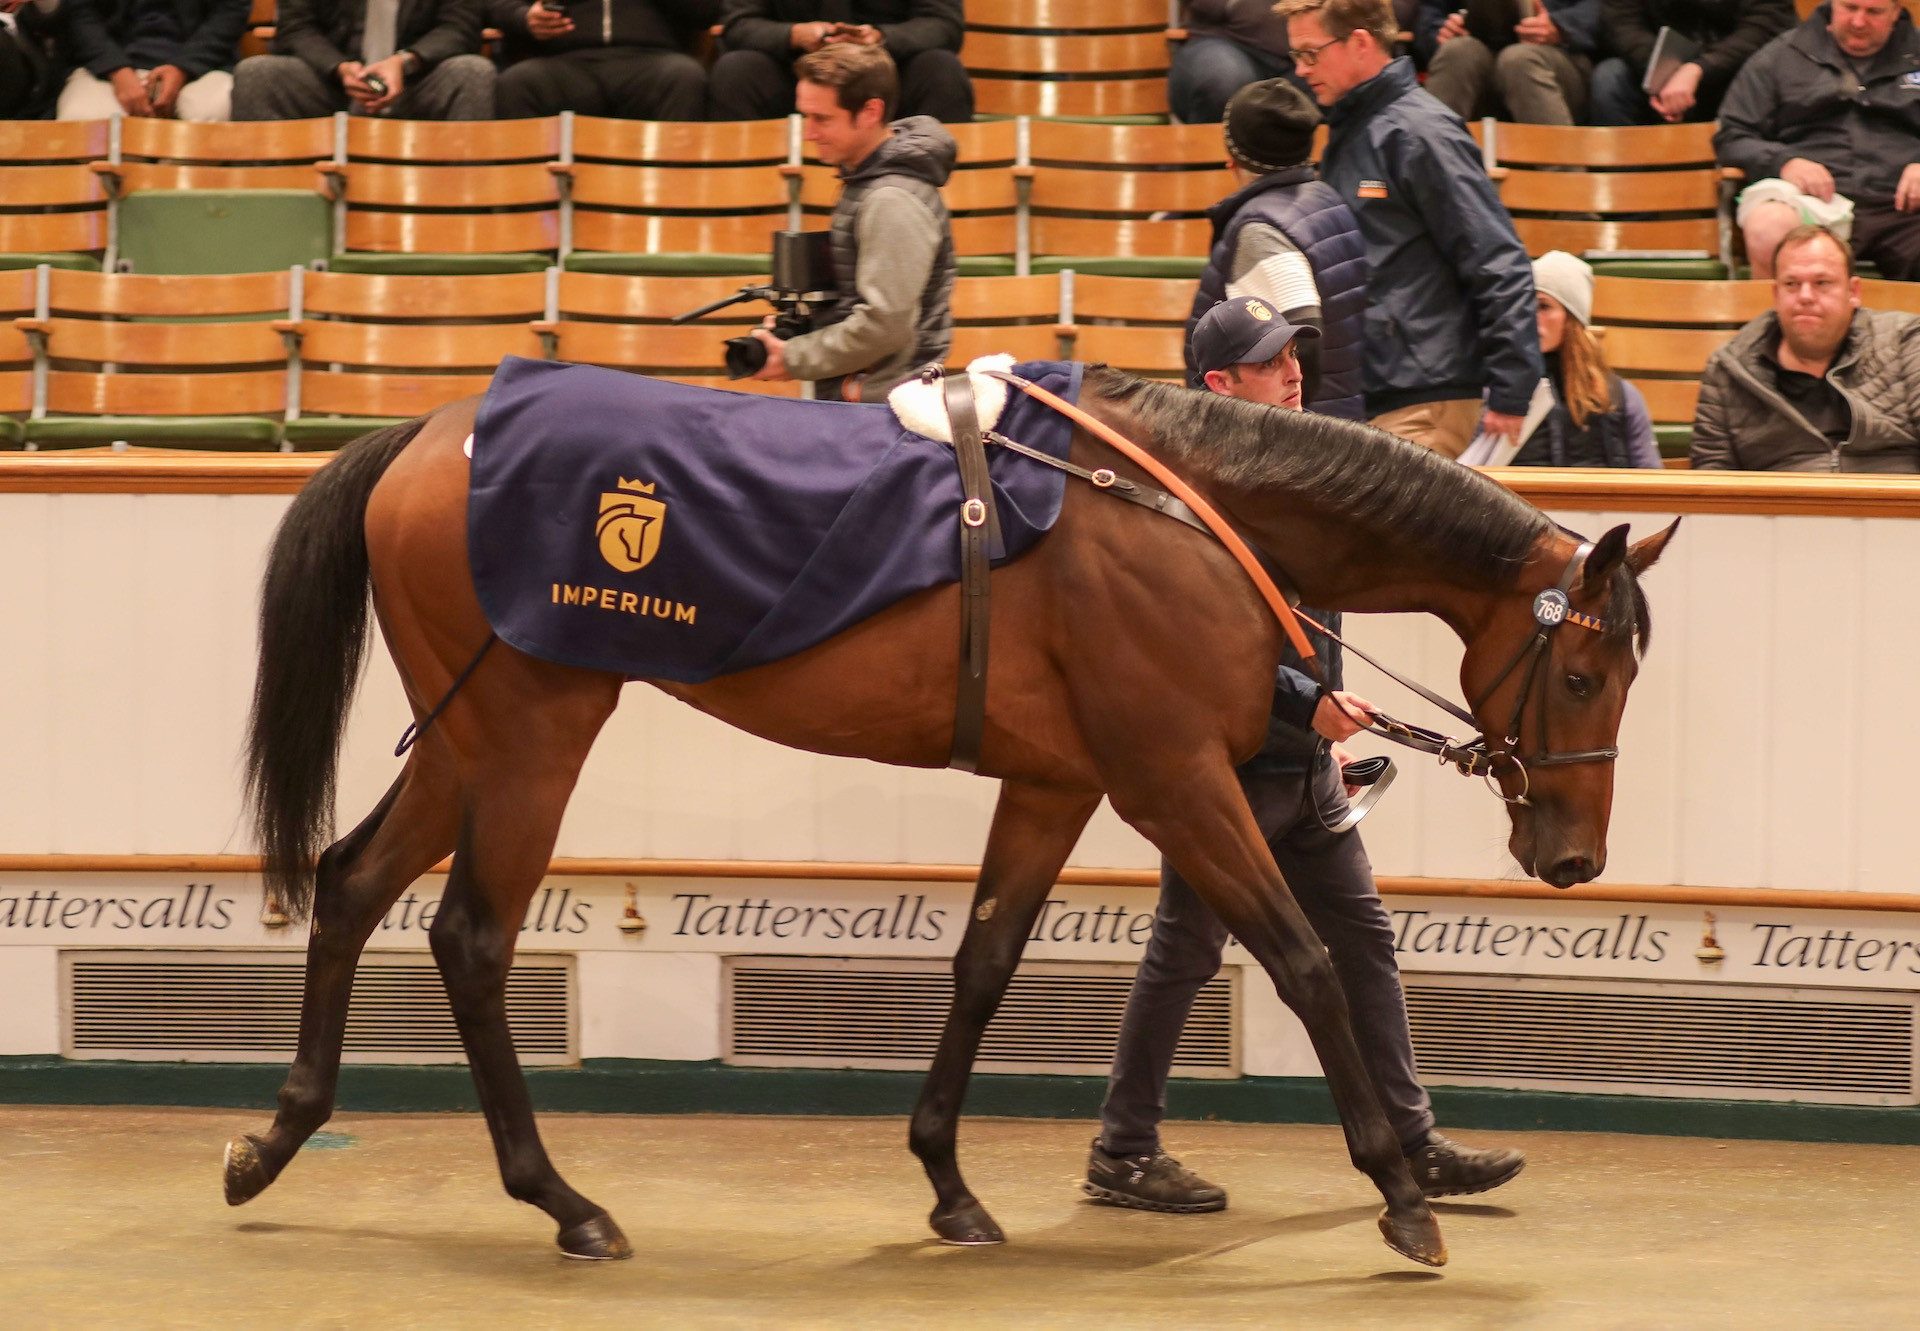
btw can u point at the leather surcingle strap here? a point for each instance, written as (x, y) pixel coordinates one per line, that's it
(979, 529)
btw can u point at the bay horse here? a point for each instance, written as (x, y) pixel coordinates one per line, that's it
(1134, 661)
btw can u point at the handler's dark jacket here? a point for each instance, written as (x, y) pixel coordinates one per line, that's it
(1744, 422)
(1291, 742)
(1800, 98)
(1304, 209)
(655, 24)
(98, 32)
(907, 27)
(323, 33)
(1449, 286)
(1729, 32)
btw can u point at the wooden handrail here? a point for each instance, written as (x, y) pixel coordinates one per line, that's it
(1675, 894)
(1779, 493)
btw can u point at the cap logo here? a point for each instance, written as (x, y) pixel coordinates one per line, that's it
(1258, 311)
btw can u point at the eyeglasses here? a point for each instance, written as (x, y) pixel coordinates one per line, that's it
(1309, 56)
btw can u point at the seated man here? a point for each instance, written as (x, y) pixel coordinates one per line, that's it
(31, 69)
(753, 78)
(1818, 384)
(1825, 122)
(1241, 348)
(622, 58)
(1534, 69)
(1230, 43)
(1727, 33)
(167, 58)
(418, 61)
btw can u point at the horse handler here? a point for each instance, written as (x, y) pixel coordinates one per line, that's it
(1244, 348)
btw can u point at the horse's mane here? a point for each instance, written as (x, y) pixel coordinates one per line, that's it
(1380, 483)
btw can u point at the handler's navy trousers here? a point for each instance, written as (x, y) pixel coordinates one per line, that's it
(1330, 877)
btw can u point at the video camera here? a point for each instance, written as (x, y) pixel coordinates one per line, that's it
(802, 276)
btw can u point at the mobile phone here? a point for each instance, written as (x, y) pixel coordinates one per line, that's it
(375, 84)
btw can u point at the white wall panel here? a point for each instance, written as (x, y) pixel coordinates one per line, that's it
(654, 1005)
(1765, 744)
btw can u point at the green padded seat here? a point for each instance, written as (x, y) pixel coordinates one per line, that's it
(1674, 440)
(1693, 270)
(223, 231)
(985, 265)
(226, 433)
(443, 265)
(13, 433)
(666, 265)
(84, 263)
(311, 434)
(1137, 265)
(1141, 119)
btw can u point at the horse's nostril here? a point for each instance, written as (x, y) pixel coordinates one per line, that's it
(1573, 870)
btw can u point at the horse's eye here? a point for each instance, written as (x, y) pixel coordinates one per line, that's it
(1580, 686)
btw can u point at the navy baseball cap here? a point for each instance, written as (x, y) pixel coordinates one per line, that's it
(1244, 330)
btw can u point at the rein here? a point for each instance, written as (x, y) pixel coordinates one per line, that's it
(1473, 757)
(1217, 525)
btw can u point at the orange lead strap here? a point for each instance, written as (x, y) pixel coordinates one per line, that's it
(1186, 493)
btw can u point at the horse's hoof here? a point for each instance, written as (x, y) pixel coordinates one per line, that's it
(596, 1239)
(1415, 1235)
(245, 1173)
(966, 1226)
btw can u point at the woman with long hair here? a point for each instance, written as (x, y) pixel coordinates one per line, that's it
(1584, 415)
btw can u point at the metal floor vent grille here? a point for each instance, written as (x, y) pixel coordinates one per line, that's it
(1743, 1042)
(1056, 1018)
(225, 1007)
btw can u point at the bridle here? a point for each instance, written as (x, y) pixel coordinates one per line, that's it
(1477, 757)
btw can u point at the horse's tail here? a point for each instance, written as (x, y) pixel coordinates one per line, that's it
(313, 639)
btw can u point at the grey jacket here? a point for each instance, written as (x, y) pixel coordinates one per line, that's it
(1799, 98)
(1744, 424)
(893, 265)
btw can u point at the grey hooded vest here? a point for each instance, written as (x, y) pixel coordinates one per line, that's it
(917, 158)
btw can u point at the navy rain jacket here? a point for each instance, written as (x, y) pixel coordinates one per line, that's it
(1450, 287)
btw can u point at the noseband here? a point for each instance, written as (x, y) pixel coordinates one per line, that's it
(1476, 757)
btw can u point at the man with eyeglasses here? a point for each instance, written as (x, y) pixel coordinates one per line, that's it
(1450, 313)
(1817, 383)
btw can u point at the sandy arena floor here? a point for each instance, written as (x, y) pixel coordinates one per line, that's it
(113, 1218)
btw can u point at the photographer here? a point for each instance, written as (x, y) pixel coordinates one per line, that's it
(752, 79)
(892, 244)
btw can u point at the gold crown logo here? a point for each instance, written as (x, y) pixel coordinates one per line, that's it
(636, 486)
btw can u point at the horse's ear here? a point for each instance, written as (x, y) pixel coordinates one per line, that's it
(1642, 555)
(1608, 551)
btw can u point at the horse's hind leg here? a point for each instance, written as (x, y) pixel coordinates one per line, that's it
(1034, 830)
(357, 880)
(1201, 823)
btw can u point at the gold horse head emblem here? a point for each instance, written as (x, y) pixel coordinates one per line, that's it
(629, 526)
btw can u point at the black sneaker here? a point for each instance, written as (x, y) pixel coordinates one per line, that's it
(1154, 1182)
(1445, 1168)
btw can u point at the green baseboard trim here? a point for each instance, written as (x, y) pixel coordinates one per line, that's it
(636, 1086)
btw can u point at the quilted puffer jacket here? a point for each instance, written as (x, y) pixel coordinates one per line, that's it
(1744, 424)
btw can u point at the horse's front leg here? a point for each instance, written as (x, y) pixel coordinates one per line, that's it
(1199, 819)
(1034, 830)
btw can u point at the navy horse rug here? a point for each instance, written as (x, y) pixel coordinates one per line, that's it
(663, 531)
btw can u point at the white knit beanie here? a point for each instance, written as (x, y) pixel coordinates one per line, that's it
(1568, 279)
